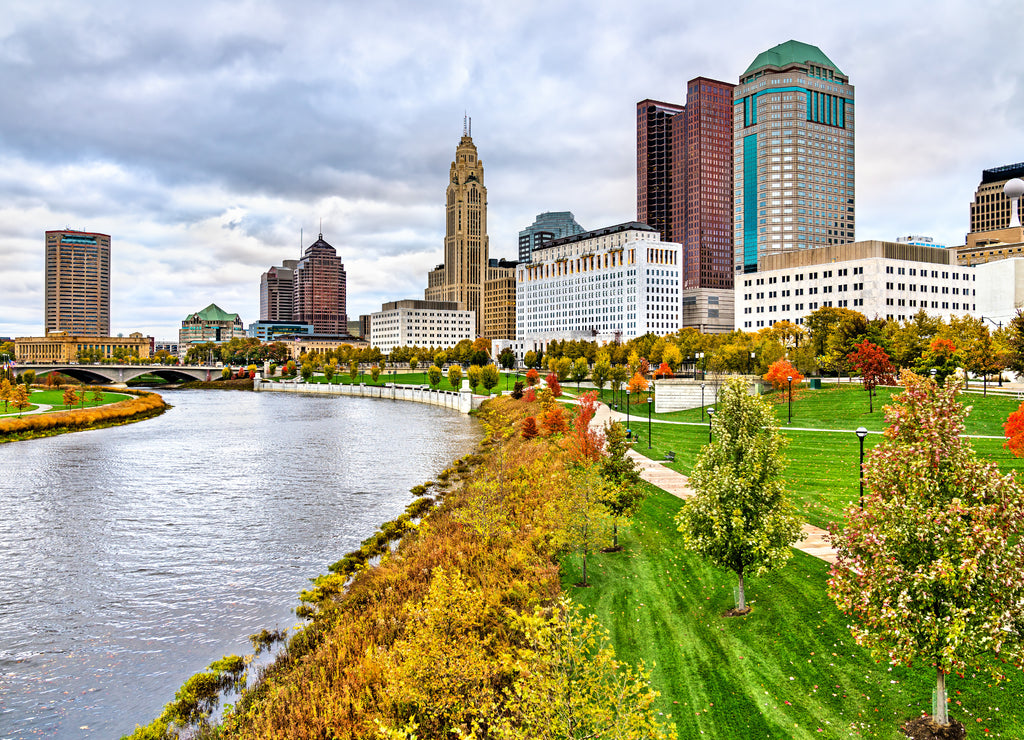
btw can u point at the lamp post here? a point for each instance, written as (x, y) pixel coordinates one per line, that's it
(700, 356)
(752, 356)
(999, 326)
(933, 371)
(790, 379)
(702, 402)
(650, 402)
(627, 413)
(711, 413)
(861, 434)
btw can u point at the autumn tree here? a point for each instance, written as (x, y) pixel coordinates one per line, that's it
(1013, 428)
(530, 359)
(434, 376)
(97, 396)
(981, 358)
(637, 384)
(931, 565)
(489, 376)
(554, 385)
(625, 491)
(529, 430)
(507, 358)
(874, 367)
(473, 374)
(663, 371)
(580, 370)
(740, 517)
(454, 376)
(329, 371)
(532, 377)
(414, 362)
(672, 357)
(70, 398)
(600, 374)
(617, 376)
(562, 367)
(5, 392)
(940, 357)
(375, 373)
(780, 372)
(19, 397)
(585, 516)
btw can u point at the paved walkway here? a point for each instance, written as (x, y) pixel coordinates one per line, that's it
(815, 540)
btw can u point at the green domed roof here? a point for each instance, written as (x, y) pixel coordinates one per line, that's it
(791, 52)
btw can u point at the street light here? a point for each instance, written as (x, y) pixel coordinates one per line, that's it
(700, 356)
(627, 412)
(790, 379)
(752, 356)
(933, 371)
(999, 326)
(711, 412)
(650, 402)
(702, 402)
(861, 434)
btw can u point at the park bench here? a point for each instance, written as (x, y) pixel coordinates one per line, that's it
(670, 456)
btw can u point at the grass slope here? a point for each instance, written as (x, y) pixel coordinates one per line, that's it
(790, 669)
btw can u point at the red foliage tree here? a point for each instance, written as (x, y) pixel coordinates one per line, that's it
(663, 371)
(780, 372)
(529, 395)
(586, 443)
(529, 428)
(553, 420)
(532, 377)
(1013, 428)
(874, 367)
(553, 385)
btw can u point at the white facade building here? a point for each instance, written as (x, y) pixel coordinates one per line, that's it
(878, 279)
(420, 324)
(1000, 289)
(609, 284)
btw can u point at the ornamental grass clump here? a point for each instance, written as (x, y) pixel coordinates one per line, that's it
(932, 568)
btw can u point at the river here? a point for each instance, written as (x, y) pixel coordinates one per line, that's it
(132, 557)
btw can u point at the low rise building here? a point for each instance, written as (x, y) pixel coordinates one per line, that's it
(212, 324)
(604, 285)
(304, 344)
(413, 323)
(60, 346)
(499, 303)
(1000, 290)
(269, 331)
(877, 278)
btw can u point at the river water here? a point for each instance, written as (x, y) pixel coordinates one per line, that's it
(132, 557)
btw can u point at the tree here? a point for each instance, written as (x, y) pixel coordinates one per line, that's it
(874, 367)
(473, 373)
(599, 375)
(1013, 428)
(740, 517)
(28, 378)
(414, 362)
(489, 376)
(563, 365)
(530, 359)
(532, 377)
(637, 384)
(70, 398)
(932, 567)
(5, 392)
(553, 385)
(663, 371)
(672, 357)
(982, 359)
(19, 397)
(529, 428)
(307, 371)
(579, 372)
(329, 373)
(454, 376)
(941, 357)
(507, 358)
(375, 373)
(434, 376)
(625, 491)
(618, 377)
(353, 370)
(780, 372)
(97, 396)
(585, 516)
(827, 321)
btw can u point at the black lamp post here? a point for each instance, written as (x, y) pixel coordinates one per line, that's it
(861, 434)
(790, 379)
(627, 412)
(702, 402)
(711, 412)
(752, 355)
(650, 402)
(700, 356)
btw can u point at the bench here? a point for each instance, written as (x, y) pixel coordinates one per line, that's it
(670, 456)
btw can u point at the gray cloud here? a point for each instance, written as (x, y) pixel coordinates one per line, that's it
(203, 137)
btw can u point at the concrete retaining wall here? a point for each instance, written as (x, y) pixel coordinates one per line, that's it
(678, 394)
(463, 401)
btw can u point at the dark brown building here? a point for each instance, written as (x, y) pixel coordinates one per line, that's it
(77, 290)
(319, 297)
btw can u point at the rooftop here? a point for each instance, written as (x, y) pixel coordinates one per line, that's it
(792, 52)
(618, 228)
(1006, 172)
(213, 312)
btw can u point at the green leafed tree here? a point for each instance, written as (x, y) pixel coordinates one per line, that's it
(473, 373)
(625, 491)
(489, 376)
(740, 517)
(454, 376)
(602, 369)
(580, 370)
(434, 376)
(932, 568)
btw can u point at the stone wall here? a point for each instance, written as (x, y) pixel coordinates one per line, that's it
(677, 394)
(463, 401)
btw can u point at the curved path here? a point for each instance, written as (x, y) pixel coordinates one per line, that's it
(815, 540)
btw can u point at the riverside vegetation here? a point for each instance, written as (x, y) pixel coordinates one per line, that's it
(450, 621)
(142, 405)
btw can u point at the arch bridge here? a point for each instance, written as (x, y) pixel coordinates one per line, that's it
(121, 374)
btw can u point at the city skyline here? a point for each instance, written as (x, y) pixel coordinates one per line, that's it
(203, 140)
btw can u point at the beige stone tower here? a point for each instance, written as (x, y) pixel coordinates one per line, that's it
(466, 247)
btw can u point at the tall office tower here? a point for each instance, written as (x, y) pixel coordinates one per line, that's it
(77, 292)
(466, 246)
(319, 294)
(684, 190)
(990, 211)
(277, 289)
(793, 124)
(547, 226)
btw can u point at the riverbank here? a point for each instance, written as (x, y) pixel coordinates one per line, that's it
(145, 405)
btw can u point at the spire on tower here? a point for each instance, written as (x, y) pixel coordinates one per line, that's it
(464, 119)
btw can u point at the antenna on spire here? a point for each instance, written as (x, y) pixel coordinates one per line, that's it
(321, 227)
(464, 119)
(471, 126)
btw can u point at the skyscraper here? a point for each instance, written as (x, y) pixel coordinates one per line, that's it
(466, 246)
(793, 123)
(684, 191)
(77, 291)
(319, 293)
(277, 292)
(547, 226)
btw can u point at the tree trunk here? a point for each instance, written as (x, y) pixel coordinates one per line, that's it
(984, 386)
(941, 714)
(584, 581)
(741, 602)
(871, 402)
(615, 534)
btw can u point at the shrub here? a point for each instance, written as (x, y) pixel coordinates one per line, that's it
(553, 385)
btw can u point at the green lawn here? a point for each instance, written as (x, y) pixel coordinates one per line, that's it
(55, 398)
(790, 669)
(843, 406)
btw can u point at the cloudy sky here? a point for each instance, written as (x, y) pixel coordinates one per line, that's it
(204, 136)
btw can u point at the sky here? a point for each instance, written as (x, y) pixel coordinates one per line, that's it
(211, 139)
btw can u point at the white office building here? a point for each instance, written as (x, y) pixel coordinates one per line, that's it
(608, 284)
(415, 323)
(879, 279)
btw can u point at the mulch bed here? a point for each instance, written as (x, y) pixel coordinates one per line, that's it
(923, 728)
